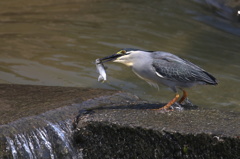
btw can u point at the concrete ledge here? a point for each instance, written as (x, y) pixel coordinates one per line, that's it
(36, 121)
(111, 124)
(18, 101)
(137, 132)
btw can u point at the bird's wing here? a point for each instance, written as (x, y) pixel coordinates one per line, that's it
(173, 68)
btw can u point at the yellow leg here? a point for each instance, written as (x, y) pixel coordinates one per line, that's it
(184, 96)
(166, 107)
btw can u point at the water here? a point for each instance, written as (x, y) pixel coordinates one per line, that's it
(51, 134)
(53, 141)
(56, 43)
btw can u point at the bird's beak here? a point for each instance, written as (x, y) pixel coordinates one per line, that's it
(110, 58)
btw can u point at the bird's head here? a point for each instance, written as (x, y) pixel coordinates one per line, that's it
(125, 56)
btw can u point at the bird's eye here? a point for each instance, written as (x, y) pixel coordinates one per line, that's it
(121, 52)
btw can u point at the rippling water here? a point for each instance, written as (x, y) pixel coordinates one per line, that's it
(56, 43)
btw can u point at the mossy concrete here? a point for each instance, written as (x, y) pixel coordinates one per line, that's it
(26, 109)
(136, 131)
(114, 124)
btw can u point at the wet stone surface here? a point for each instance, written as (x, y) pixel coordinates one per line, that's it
(36, 121)
(18, 101)
(65, 122)
(137, 131)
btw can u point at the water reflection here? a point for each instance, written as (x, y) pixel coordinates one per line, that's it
(56, 43)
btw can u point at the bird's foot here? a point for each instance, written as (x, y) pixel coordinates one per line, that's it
(168, 106)
(177, 106)
(163, 110)
(187, 102)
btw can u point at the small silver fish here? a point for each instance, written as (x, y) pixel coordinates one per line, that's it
(101, 70)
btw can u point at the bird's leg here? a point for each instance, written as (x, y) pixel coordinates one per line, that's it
(168, 105)
(184, 96)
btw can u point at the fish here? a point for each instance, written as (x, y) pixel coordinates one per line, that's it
(101, 70)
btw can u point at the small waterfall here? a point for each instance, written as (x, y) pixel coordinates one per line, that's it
(52, 141)
(49, 135)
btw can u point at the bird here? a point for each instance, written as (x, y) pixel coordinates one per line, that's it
(159, 67)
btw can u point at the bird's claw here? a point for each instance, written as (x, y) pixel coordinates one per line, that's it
(177, 106)
(187, 102)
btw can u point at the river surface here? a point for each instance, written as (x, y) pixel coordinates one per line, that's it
(56, 43)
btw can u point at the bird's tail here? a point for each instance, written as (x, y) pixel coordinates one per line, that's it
(211, 80)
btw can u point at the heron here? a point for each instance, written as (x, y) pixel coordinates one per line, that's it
(158, 67)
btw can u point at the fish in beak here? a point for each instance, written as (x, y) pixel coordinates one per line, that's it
(101, 68)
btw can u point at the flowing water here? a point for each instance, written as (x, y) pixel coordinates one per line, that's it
(56, 43)
(52, 141)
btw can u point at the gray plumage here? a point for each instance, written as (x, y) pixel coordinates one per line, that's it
(162, 67)
(157, 67)
(176, 69)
